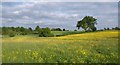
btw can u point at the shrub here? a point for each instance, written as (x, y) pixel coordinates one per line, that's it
(46, 35)
(40, 35)
(12, 35)
(63, 29)
(23, 33)
(56, 29)
(75, 30)
(45, 32)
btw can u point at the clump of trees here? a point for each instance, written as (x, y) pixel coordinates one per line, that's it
(56, 29)
(87, 23)
(43, 32)
(12, 31)
(15, 31)
(114, 28)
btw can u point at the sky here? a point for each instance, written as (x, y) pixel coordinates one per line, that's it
(58, 14)
(60, 0)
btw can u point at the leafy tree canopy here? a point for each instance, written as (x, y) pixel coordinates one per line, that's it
(87, 23)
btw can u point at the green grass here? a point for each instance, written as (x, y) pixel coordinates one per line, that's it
(97, 47)
(63, 33)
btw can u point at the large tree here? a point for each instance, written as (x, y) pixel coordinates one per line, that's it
(87, 23)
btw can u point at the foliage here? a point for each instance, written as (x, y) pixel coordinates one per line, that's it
(63, 29)
(42, 32)
(87, 23)
(75, 30)
(45, 32)
(30, 29)
(116, 28)
(37, 28)
(56, 29)
(12, 34)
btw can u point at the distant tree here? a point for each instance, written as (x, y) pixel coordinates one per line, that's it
(75, 30)
(17, 29)
(37, 28)
(116, 28)
(22, 29)
(108, 29)
(13, 29)
(105, 29)
(11, 33)
(63, 29)
(30, 28)
(113, 28)
(56, 29)
(87, 23)
(45, 32)
(4, 30)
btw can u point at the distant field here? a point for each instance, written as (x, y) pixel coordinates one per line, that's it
(63, 33)
(94, 47)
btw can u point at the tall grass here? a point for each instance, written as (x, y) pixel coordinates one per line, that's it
(97, 47)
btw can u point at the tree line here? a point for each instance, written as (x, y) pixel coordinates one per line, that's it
(12, 31)
(87, 23)
(42, 32)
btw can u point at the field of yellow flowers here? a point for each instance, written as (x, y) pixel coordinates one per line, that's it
(94, 47)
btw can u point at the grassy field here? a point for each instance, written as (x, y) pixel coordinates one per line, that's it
(63, 33)
(94, 47)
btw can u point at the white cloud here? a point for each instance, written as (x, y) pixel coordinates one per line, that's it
(38, 22)
(75, 15)
(28, 5)
(17, 12)
(56, 14)
(25, 17)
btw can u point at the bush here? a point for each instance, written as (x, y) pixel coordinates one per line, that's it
(12, 35)
(56, 29)
(23, 33)
(46, 35)
(40, 35)
(63, 29)
(75, 30)
(45, 32)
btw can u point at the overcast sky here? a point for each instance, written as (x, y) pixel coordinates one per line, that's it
(58, 14)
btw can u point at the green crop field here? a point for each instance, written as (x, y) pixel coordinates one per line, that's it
(93, 47)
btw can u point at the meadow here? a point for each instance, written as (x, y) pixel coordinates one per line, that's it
(93, 47)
